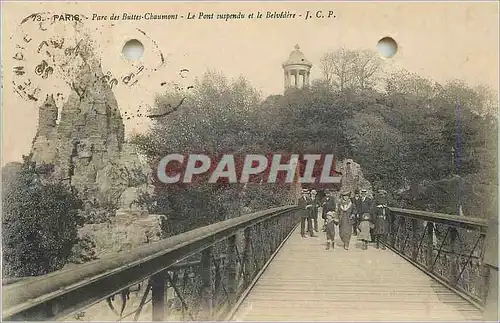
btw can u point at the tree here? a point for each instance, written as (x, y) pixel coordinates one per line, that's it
(379, 148)
(410, 84)
(368, 65)
(217, 117)
(40, 223)
(344, 69)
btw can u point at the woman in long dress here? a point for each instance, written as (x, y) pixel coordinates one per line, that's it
(345, 211)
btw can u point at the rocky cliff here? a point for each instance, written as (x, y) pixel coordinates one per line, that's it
(88, 151)
(352, 177)
(89, 138)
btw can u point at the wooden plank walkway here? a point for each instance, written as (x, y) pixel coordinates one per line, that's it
(305, 282)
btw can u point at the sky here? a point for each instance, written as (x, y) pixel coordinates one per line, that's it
(441, 41)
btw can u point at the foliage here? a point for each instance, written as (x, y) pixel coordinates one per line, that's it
(380, 147)
(216, 117)
(411, 138)
(351, 69)
(39, 223)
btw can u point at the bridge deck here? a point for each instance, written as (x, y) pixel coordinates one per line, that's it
(305, 282)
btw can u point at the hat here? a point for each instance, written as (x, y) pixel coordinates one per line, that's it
(314, 192)
(305, 190)
(356, 191)
(345, 193)
(363, 190)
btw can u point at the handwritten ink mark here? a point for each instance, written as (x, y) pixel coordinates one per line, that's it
(19, 70)
(44, 68)
(127, 78)
(40, 26)
(113, 82)
(19, 56)
(57, 44)
(41, 45)
(18, 88)
(156, 45)
(168, 112)
(182, 71)
(34, 16)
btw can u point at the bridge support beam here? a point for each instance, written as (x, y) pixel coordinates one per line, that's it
(207, 285)
(491, 265)
(158, 296)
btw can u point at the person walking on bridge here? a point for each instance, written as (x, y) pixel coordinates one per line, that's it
(357, 203)
(314, 209)
(304, 212)
(381, 219)
(329, 204)
(331, 221)
(346, 211)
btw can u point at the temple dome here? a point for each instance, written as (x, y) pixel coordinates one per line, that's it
(297, 58)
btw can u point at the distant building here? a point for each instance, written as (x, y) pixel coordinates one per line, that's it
(297, 70)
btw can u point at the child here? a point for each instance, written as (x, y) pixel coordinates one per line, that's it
(364, 230)
(330, 222)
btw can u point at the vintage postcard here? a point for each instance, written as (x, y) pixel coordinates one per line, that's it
(250, 161)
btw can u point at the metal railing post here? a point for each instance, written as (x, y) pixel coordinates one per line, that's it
(247, 257)
(158, 296)
(455, 259)
(232, 270)
(414, 244)
(430, 245)
(207, 285)
(490, 262)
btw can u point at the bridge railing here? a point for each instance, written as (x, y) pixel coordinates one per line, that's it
(197, 275)
(448, 248)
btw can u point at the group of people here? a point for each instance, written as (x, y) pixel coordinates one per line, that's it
(358, 215)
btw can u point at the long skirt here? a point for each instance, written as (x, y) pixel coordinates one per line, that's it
(345, 229)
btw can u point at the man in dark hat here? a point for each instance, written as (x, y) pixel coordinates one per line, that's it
(356, 200)
(314, 209)
(305, 205)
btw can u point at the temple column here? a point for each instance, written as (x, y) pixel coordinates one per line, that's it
(307, 75)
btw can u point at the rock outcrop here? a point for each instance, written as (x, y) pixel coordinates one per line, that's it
(89, 138)
(88, 151)
(352, 177)
(128, 229)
